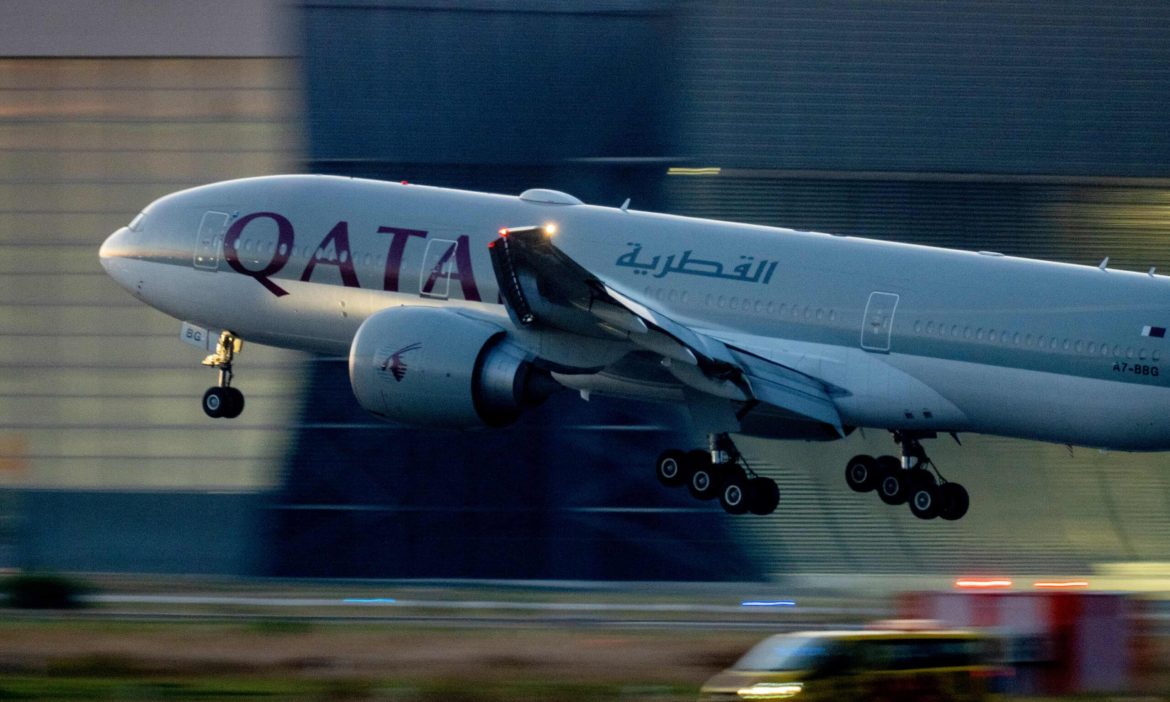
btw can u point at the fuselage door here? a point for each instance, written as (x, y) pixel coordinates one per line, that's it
(435, 280)
(878, 321)
(209, 242)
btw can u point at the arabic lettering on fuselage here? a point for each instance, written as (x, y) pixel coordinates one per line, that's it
(748, 271)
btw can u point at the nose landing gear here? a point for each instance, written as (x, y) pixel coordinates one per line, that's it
(909, 479)
(223, 400)
(720, 472)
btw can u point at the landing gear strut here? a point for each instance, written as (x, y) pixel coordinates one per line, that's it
(222, 400)
(719, 472)
(913, 478)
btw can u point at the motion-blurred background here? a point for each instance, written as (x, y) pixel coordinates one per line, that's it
(1032, 129)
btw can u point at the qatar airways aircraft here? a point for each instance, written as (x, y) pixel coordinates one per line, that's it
(466, 309)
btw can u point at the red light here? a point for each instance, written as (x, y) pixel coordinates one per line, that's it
(1060, 584)
(405, 183)
(492, 244)
(503, 232)
(983, 584)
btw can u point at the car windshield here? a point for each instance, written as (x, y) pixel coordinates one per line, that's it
(786, 653)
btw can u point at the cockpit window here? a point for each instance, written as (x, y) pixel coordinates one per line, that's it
(136, 223)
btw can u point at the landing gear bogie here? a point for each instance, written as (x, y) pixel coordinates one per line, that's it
(909, 480)
(727, 479)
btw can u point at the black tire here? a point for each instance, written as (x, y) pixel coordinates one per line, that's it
(924, 499)
(703, 481)
(734, 495)
(953, 501)
(671, 468)
(215, 402)
(697, 458)
(893, 487)
(920, 476)
(765, 496)
(861, 473)
(235, 403)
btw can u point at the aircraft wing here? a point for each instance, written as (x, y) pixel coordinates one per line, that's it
(543, 287)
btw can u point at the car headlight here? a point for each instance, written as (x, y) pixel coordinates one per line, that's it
(771, 691)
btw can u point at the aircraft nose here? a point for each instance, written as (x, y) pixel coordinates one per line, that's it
(115, 257)
(113, 248)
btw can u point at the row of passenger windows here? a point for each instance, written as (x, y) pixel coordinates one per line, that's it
(734, 303)
(929, 328)
(250, 247)
(1052, 343)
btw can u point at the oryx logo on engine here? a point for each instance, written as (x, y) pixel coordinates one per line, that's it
(395, 364)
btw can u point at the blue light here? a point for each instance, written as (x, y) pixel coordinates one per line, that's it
(770, 603)
(370, 600)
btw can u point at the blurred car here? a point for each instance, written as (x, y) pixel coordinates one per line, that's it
(876, 666)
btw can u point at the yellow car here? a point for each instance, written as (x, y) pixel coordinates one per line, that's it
(934, 666)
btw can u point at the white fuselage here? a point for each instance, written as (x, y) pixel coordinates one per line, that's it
(914, 337)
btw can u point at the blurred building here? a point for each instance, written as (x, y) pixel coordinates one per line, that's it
(1031, 129)
(106, 462)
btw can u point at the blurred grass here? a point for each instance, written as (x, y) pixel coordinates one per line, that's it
(49, 688)
(52, 688)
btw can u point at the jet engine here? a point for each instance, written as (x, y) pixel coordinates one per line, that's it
(436, 367)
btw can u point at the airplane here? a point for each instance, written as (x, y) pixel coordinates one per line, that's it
(466, 309)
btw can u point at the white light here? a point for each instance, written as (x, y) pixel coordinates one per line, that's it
(550, 229)
(771, 691)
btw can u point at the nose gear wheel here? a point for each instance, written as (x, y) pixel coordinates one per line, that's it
(223, 400)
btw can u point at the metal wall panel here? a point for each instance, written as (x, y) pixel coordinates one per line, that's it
(487, 83)
(96, 390)
(141, 532)
(975, 86)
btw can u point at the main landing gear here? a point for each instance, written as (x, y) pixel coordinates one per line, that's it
(909, 480)
(223, 400)
(719, 472)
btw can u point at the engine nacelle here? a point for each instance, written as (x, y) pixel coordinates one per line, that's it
(435, 367)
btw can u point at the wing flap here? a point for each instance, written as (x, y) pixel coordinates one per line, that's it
(541, 285)
(789, 389)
